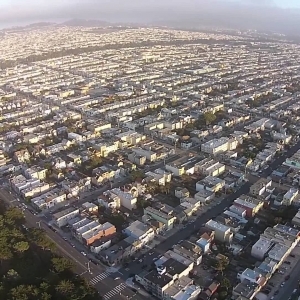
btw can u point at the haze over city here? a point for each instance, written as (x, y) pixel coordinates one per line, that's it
(149, 149)
(274, 15)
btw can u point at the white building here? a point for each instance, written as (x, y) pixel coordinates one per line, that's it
(140, 231)
(61, 218)
(217, 146)
(261, 248)
(222, 232)
(127, 199)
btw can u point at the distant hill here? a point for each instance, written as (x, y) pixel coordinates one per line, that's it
(86, 23)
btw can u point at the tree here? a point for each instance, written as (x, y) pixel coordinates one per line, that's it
(14, 215)
(65, 288)
(138, 174)
(30, 276)
(225, 283)
(61, 264)
(209, 118)
(165, 189)
(95, 161)
(12, 274)
(221, 265)
(21, 246)
(223, 295)
(5, 251)
(39, 237)
(141, 203)
(152, 187)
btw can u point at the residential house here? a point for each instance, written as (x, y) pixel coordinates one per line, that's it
(22, 156)
(128, 197)
(109, 200)
(61, 218)
(222, 232)
(250, 204)
(209, 167)
(168, 274)
(166, 218)
(120, 251)
(210, 183)
(140, 231)
(36, 172)
(181, 192)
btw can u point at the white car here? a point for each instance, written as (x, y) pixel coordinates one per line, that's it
(83, 253)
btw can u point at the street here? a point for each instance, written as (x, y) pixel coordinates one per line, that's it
(186, 233)
(105, 284)
(103, 280)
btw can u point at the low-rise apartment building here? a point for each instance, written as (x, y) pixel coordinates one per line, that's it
(209, 167)
(250, 204)
(88, 231)
(62, 218)
(210, 183)
(140, 231)
(167, 219)
(49, 199)
(222, 232)
(163, 281)
(218, 146)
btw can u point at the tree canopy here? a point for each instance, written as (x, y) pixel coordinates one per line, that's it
(30, 267)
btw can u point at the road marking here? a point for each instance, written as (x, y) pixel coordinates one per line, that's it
(99, 277)
(116, 290)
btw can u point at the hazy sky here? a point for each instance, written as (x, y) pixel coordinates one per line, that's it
(278, 15)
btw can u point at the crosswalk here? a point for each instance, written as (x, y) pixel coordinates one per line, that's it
(115, 291)
(99, 277)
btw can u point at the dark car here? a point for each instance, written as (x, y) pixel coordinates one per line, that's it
(287, 277)
(276, 293)
(287, 262)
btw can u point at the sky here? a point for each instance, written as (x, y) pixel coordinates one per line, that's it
(274, 15)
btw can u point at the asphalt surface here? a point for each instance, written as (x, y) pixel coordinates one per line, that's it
(293, 283)
(104, 286)
(186, 233)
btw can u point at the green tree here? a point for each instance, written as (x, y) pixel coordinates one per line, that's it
(14, 215)
(138, 174)
(223, 295)
(12, 274)
(65, 288)
(61, 264)
(5, 251)
(221, 265)
(141, 203)
(39, 237)
(21, 246)
(152, 187)
(225, 283)
(209, 118)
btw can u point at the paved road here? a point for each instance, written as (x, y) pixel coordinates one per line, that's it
(105, 286)
(136, 267)
(293, 283)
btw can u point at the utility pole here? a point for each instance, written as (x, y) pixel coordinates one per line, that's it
(39, 223)
(88, 267)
